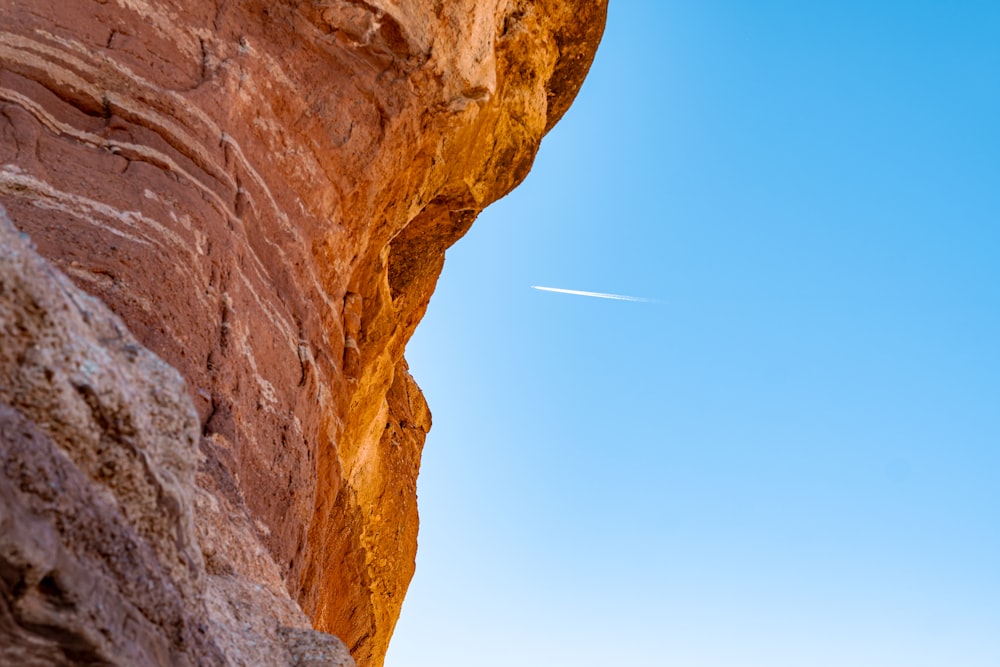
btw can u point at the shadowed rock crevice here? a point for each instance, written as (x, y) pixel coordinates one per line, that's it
(415, 254)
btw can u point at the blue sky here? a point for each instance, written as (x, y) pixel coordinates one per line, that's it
(793, 457)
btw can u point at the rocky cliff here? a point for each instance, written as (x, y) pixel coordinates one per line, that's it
(230, 216)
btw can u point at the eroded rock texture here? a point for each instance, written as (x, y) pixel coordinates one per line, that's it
(103, 528)
(262, 192)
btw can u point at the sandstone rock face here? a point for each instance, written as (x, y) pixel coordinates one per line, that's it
(101, 518)
(263, 193)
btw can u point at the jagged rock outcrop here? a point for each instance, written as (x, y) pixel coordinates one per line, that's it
(103, 528)
(263, 193)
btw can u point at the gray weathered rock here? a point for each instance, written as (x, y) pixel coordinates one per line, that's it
(100, 560)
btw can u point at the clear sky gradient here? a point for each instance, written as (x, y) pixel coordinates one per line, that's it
(792, 457)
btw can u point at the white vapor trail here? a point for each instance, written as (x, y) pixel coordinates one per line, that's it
(598, 295)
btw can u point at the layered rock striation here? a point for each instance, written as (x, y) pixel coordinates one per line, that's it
(237, 212)
(104, 530)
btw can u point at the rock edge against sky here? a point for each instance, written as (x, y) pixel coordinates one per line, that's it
(223, 223)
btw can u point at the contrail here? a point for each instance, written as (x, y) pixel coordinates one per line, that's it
(598, 295)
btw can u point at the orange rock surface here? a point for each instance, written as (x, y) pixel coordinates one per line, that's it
(263, 192)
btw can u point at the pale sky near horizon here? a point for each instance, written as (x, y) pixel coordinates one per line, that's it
(792, 458)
